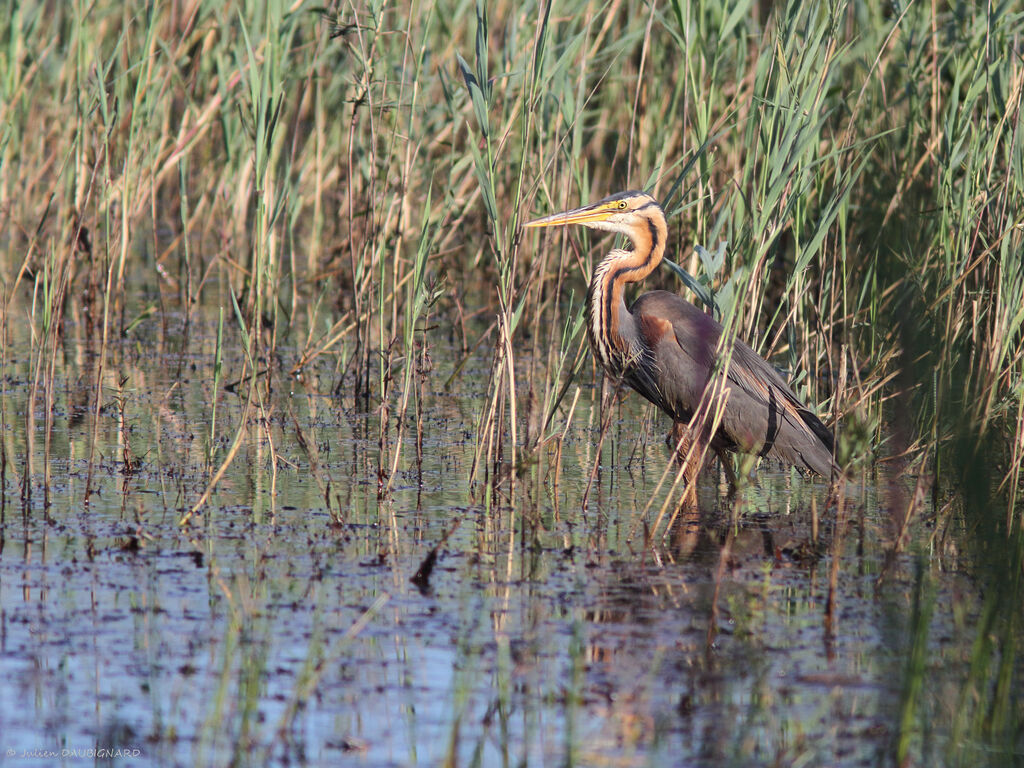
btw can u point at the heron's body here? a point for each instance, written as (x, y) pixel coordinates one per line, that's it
(668, 350)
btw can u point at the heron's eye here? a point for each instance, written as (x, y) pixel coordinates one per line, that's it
(622, 205)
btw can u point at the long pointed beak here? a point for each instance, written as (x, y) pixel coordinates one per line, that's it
(588, 214)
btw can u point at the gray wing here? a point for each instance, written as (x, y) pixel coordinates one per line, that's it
(762, 415)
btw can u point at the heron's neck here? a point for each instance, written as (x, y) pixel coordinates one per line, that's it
(612, 329)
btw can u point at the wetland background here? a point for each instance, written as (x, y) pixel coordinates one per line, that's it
(274, 344)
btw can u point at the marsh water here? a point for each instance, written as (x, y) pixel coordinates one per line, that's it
(281, 625)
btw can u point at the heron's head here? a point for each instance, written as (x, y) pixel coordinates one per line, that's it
(630, 213)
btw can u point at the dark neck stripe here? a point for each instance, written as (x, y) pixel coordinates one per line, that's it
(652, 228)
(613, 282)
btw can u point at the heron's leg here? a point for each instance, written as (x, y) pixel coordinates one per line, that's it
(679, 440)
(730, 475)
(690, 452)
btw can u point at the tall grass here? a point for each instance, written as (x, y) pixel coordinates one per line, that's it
(843, 164)
(353, 182)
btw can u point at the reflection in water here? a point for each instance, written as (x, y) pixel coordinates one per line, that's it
(281, 625)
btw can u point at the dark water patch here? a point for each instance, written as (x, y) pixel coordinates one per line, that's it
(280, 625)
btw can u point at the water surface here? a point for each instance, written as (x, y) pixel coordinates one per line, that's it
(280, 625)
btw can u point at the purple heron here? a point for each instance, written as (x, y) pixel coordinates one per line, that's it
(668, 350)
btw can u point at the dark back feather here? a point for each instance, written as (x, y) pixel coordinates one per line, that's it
(763, 415)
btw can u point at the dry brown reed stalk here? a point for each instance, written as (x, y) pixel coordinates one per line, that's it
(609, 396)
(229, 457)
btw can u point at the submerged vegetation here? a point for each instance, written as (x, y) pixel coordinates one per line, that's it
(346, 185)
